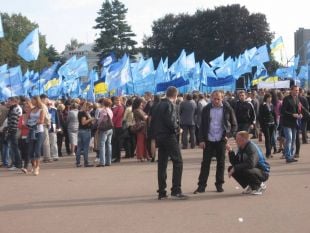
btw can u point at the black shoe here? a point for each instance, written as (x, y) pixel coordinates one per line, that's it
(99, 165)
(162, 196)
(219, 188)
(179, 196)
(296, 155)
(291, 160)
(153, 159)
(199, 190)
(78, 165)
(88, 165)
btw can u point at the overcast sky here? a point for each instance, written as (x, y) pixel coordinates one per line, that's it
(61, 20)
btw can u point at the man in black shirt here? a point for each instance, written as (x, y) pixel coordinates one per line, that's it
(165, 131)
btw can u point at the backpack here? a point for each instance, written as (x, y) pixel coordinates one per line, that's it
(105, 123)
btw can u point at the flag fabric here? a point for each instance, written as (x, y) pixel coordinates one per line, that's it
(303, 72)
(296, 61)
(217, 62)
(65, 68)
(226, 69)
(108, 60)
(286, 72)
(3, 68)
(48, 73)
(100, 87)
(190, 61)
(118, 74)
(276, 45)
(179, 82)
(1, 28)
(29, 49)
(51, 83)
(261, 56)
(206, 71)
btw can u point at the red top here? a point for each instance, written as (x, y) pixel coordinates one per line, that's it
(22, 126)
(118, 113)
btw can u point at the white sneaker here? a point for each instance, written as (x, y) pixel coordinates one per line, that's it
(97, 160)
(258, 191)
(263, 186)
(248, 190)
(12, 168)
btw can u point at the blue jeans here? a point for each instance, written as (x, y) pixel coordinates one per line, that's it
(35, 146)
(105, 147)
(14, 151)
(289, 146)
(5, 154)
(84, 136)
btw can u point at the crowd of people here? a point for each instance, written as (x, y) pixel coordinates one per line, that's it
(35, 129)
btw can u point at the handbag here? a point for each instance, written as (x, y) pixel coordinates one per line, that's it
(137, 127)
(106, 123)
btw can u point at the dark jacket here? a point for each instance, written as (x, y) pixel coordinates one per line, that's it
(289, 107)
(245, 113)
(266, 117)
(229, 122)
(188, 110)
(248, 158)
(164, 119)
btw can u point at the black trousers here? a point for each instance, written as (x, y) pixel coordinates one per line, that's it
(252, 177)
(268, 133)
(117, 143)
(217, 150)
(60, 137)
(130, 144)
(23, 147)
(191, 130)
(169, 147)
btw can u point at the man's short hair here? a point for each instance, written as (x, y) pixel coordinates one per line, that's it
(244, 134)
(293, 86)
(171, 92)
(43, 96)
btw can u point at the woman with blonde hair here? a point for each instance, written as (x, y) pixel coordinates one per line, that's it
(35, 138)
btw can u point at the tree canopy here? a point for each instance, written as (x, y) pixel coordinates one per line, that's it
(230, 29)
(16, 27)
(115, 33)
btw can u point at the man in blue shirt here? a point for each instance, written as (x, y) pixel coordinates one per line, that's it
(218, 122)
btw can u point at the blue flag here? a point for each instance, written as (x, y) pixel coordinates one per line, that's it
(3, 68)
(303, 73)
(118, 74)
(1, 28)
(217, 62)
(260, 56)
(48, 73)
(108, 60)
(29, 48)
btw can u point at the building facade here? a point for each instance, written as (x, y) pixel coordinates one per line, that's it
(84, 50)
(302, 37)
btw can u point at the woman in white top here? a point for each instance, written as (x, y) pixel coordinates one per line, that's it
(35, 138)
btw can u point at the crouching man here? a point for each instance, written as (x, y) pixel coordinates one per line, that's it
(249, 166)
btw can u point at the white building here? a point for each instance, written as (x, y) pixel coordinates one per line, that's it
(84, 50)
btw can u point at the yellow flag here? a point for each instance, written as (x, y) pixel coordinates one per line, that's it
(100, 88)
(51, 83)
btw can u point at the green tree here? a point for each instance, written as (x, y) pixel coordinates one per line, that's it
(73, 45)
(52, 54)
(115, 33)
(16, 27)
(230, 29)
